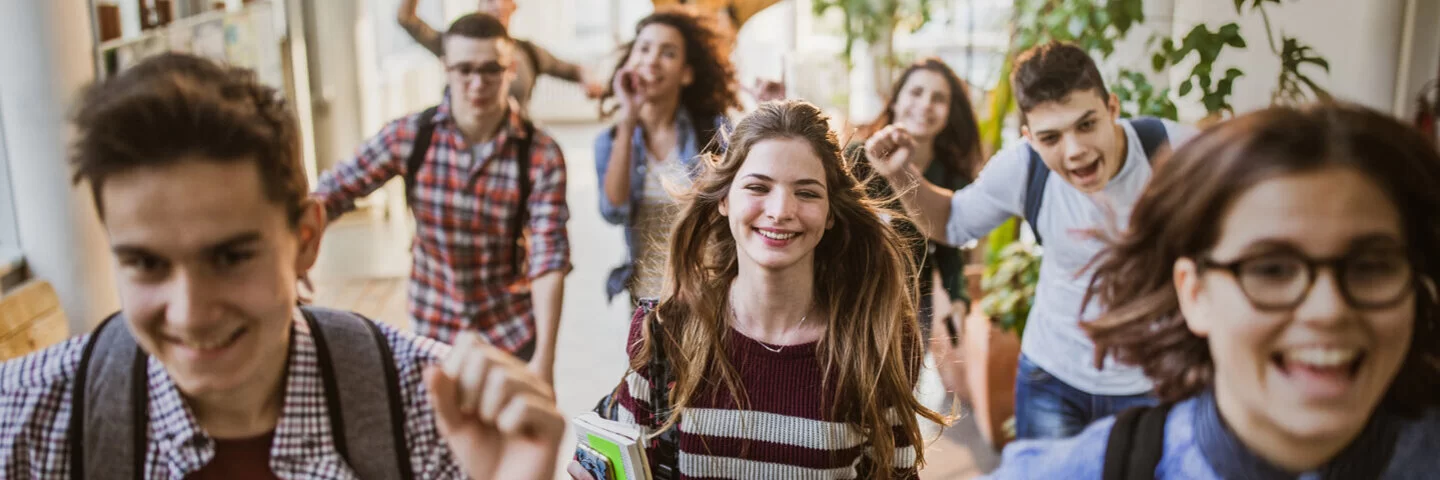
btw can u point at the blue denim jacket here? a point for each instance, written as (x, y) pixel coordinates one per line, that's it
(1198, 445)
(622, 214)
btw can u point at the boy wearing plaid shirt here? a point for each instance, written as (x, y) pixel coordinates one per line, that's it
(195, 170)
(469, 197)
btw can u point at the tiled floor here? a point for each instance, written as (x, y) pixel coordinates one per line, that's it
(364, 262)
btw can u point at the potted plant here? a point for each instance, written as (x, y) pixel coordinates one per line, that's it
(990, 346)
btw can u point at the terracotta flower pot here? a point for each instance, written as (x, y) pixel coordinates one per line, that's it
(991, 358)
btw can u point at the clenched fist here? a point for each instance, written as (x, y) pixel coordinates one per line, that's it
(497, 416)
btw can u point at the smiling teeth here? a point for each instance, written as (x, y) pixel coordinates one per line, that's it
(210, 345)
(777, 236)
(1322, 356)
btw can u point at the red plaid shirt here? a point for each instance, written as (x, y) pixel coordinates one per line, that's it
(462, 274)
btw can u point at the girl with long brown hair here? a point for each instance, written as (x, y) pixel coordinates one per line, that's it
(1277, 285)
(673, 87)
(789, 326)
(931, 105)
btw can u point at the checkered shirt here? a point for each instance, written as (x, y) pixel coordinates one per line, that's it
(35, 400)
(462, 276)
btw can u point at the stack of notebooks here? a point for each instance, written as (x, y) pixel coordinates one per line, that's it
(623, 444)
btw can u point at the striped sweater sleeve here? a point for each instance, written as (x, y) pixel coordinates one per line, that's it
(635, 406)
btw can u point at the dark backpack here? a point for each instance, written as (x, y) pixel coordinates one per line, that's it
(1137, 441)
(663, 449)
(425, 133)
(110, 416)
(1152, 136)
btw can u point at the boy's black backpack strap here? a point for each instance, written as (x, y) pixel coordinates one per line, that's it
(1152, 136)
(362, 393)
(1037, 175)
(110, 409)
(519, 258)
(1137, 441)
(424, 135)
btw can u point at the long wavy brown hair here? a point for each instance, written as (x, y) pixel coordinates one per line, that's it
(957, 147)
(714, 90)
(1190, 194)
(871, 349)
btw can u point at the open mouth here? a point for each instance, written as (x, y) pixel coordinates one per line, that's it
(1087, 173)
(1320, 371)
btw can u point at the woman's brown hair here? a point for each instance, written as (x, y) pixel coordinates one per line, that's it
(1178, 216)
(871, 349)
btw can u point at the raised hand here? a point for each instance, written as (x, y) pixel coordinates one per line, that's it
(889, 150)
(630, 90)
(498, 417)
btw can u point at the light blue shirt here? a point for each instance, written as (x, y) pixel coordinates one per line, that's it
(1053, 338)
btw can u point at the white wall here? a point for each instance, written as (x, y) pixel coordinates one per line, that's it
(330, 36)
(48, 57)
(1361, 40)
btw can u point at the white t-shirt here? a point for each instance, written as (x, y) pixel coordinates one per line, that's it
(1053, 338)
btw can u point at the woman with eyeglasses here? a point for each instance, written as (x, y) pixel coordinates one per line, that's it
(1277, 285)
(673, 87)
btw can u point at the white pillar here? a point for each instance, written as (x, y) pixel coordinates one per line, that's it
(48, 58)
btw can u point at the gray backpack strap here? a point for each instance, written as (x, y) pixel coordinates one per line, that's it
(110, 409)
(362, 393)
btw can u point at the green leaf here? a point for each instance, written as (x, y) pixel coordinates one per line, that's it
(1238, 5)
(1157, 61)
(1185, 87)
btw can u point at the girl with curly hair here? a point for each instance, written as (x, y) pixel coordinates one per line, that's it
(672, 90)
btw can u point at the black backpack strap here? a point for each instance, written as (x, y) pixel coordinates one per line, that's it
(522, 214)
(1152, 135)
(424, 134)
(110, 409)
(367, 419)
(665, 447)
(1137, 441)
(1037, 176)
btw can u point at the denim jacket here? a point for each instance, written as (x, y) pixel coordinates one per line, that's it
(622, 214)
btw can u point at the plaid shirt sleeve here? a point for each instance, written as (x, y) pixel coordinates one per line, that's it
(35, 395)
(376, 162)
(549, 240)
(430, 455)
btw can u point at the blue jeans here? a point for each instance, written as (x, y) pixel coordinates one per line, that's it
(1046, 407)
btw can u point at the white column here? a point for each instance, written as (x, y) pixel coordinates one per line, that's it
(1361, 40)
(48, 58)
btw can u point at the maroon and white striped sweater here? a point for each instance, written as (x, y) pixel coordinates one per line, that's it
(785, 433)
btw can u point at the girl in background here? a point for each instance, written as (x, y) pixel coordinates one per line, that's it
(673, 88)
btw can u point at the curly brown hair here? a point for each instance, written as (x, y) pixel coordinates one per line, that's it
(714, 91)
(1191, 193)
